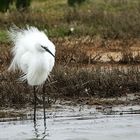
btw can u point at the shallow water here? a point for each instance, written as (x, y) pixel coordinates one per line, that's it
(77, 123)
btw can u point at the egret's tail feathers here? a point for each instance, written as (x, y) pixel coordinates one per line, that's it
(13, 66)
(23, 78)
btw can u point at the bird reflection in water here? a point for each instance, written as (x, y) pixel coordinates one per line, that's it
(40, 134)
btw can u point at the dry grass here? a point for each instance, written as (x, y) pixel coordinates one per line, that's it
(92, 50)
(99, 81)
(73, 82)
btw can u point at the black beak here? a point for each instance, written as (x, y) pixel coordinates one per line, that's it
(48, 51)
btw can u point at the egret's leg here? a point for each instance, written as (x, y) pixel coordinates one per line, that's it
(34, 103)
(44, 105)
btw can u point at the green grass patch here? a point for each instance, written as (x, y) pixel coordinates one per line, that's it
(3, 36)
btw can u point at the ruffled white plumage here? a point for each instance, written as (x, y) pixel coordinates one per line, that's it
(35, 63)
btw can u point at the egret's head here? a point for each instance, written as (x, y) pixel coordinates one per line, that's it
(46, 49)
(32, 39)
(45, 45)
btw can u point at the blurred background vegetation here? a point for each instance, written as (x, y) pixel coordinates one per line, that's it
(104, 18)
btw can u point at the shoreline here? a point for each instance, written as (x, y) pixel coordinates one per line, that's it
(104, 105)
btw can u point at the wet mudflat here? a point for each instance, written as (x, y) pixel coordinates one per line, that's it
(76, 123)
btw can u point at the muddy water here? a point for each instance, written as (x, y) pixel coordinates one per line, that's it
(77, 123)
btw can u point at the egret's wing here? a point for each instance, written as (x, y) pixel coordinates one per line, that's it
(16, 35)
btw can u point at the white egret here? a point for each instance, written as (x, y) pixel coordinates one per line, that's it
(34, 54)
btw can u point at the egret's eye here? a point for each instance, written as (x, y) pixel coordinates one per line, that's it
(46, 49)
